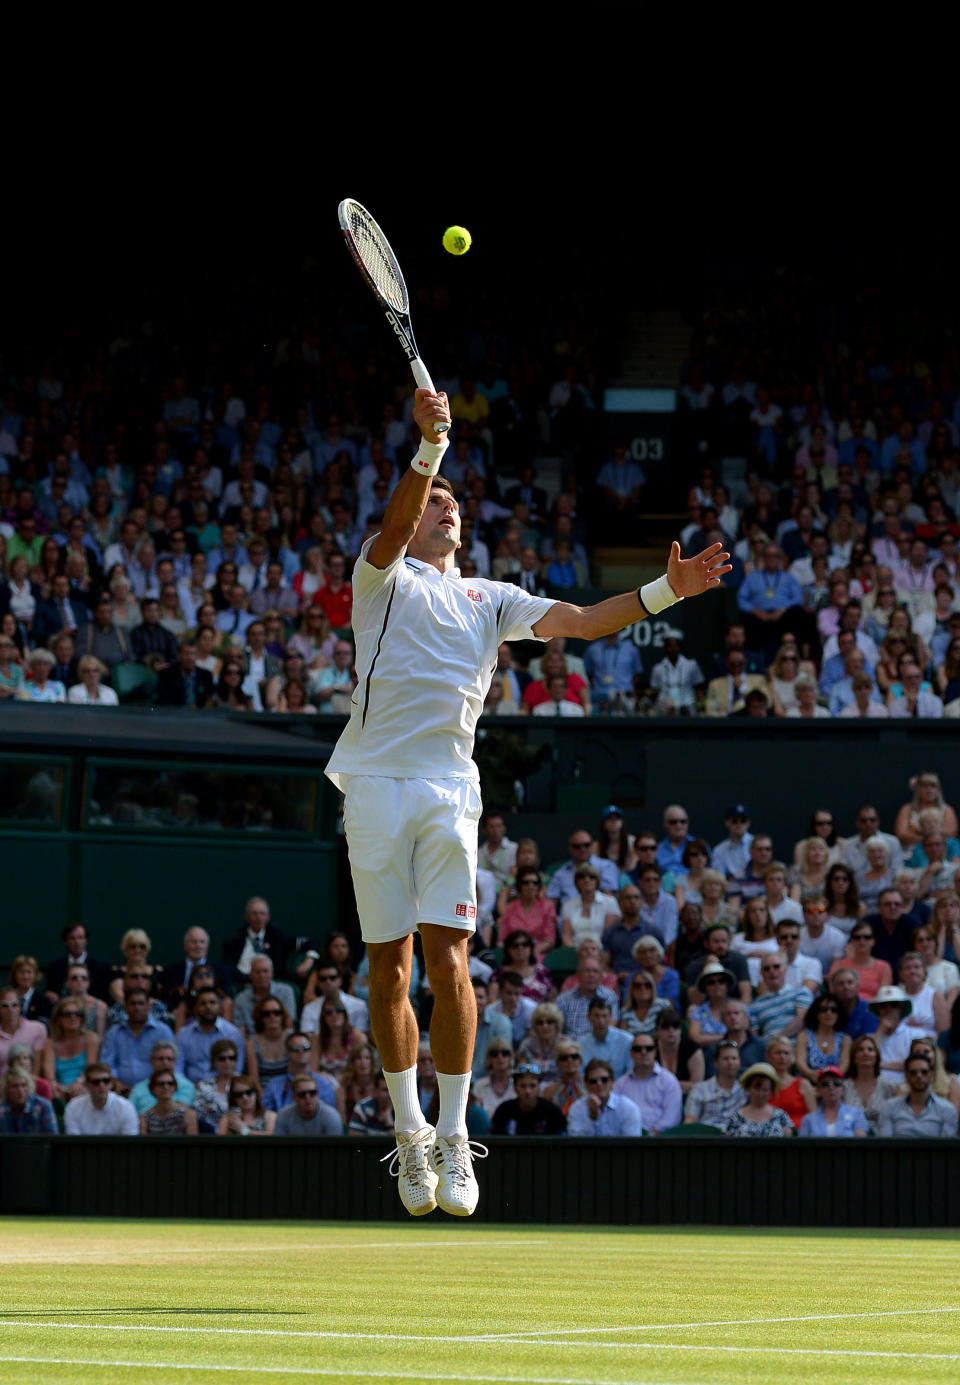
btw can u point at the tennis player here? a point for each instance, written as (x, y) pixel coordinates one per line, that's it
(426, 650)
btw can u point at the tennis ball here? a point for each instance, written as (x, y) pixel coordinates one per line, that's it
(457, 240)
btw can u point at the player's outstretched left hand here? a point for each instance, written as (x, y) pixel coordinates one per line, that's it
(691, 576)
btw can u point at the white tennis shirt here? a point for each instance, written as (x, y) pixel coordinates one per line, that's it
(426, 652)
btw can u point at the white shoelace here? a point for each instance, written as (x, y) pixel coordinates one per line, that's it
(465, 1149)
(409, 1158)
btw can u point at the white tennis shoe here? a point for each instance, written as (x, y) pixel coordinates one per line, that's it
(410, 1165)
(452, 1160)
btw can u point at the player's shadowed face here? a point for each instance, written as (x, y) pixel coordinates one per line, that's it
(439, 527)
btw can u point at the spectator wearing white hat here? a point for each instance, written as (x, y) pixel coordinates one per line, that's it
(892, 1006)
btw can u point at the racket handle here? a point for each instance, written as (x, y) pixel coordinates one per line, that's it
(422, 377)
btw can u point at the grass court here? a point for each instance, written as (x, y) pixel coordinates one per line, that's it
(87, 1301)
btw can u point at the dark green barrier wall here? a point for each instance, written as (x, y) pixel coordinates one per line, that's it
(165, 886)
(781, 768)
(71, 848)
(59, 870)
(890, 1183)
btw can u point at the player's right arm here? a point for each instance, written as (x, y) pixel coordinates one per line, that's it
(409, 499)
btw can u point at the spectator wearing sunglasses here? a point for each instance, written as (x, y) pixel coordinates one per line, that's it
(655, 1092)
(163, 1058)
(15, 1029)
(732, 855)
(562, 886)
(603, 1112)
(801, 969)
(671, 847)
(167, 1115)
(245, 1113)
(307, 1115)
(279, 1092)
(570, 1087)
(676, 1053)
(101, 1111)
(819, 939)
(822, 1043)
(528, 1113)
(832, 1116)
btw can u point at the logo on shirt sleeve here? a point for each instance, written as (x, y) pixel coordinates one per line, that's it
(474, 595)
(466, 911)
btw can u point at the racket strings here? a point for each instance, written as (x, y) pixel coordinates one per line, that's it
(378, 258)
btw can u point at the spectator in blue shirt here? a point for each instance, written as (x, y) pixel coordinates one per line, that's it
(562, 887)
(621, 481)
(562, 571)
(603, 1041)
(127, 1045)
(602, 1111)
(771, 601)
(658, 910)
(671, 847)
(903, 446)
(858, 1018)
(611, 663)
(732, 856)
(857, 694)
(279, 1092)
(833, 1116)
(196, 1039)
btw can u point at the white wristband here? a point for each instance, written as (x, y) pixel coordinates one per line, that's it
(428, 458)
(657, 596)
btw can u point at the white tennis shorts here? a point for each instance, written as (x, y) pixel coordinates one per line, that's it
(413, 853)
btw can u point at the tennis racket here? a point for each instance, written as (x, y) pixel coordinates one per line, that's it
(378, 265)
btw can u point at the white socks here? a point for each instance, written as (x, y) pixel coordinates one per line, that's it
(402, 1087)
(454, 1091)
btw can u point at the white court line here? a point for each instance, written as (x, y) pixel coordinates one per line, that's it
(296, 1247)
(718, 1322)
(756, 1351)
(307, 1334)
(338, 1372)
(558, 1337)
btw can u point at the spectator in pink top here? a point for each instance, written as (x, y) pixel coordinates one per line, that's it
(530, 914)
(14, 1029)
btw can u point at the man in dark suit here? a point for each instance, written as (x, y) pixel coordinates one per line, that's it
(196, 953)
(515, 680)
(528, 576)
(256, 937)
(59, 611)
(75, 940)
(183, 684)
(526, 493)
(65, 669)
(152, 643)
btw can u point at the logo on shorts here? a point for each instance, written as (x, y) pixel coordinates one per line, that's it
(474, 595)
(466, 911)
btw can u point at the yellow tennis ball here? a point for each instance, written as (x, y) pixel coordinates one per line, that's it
(457, 240)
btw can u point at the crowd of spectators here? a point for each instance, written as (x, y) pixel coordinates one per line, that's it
(185, 534)
(650, 980)
(833, 462)
(179, 517)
